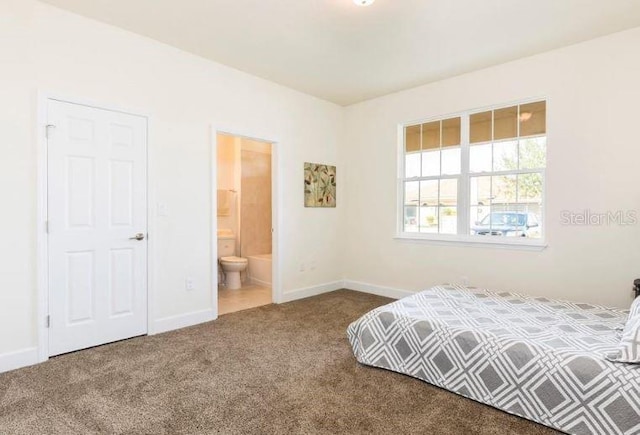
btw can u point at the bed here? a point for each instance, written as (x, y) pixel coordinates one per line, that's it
(537, 358)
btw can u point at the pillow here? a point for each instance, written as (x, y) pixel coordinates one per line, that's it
(629, 347)
(634, 311)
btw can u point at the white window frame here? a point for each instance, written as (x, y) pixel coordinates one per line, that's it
(464, 238)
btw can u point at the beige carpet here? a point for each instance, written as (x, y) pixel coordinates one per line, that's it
(275, 369)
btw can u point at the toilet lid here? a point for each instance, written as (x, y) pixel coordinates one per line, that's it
(233, 259)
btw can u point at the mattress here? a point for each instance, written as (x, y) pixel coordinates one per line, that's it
(537, 358)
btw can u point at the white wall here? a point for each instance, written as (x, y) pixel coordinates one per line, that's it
(593, 160)
(46, 49)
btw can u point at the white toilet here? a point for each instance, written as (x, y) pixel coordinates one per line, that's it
(230, 264)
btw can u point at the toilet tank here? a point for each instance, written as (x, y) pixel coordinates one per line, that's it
(226, 243)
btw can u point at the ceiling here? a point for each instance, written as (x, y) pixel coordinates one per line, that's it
(344, 53)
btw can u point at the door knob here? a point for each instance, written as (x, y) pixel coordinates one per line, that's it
(139, 236)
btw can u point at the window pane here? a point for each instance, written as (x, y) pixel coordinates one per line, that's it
(503, 190)
(428, 219)
(412, 165)
(411, 194)
(480, 158)
(477, 215)
(534, 223)
(429, 193)
(430, 163)
(530, 189)
(530, 204)
(431, 135)
(429, 206)
(505, 156)
(451, 161)
(480, 191)
(505, 123)
(448, 206)
(480, 127)
(412, 138)
(533, 231)
(411, 219)
(451, 132)
(533, 153)
(533, 118)
(448, 220)
(448, 192)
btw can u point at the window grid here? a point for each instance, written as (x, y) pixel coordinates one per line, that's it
(463, 204)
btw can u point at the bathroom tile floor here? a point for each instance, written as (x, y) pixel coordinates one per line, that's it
(249, 296)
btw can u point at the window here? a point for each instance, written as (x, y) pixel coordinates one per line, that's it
(477, 174)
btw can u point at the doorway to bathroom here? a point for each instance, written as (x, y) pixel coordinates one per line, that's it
(244, 210)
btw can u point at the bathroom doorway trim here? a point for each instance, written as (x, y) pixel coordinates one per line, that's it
(276, 215)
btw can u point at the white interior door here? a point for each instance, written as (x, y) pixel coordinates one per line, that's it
(97, 162)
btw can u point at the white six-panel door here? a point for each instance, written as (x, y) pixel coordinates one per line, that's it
(97, 161)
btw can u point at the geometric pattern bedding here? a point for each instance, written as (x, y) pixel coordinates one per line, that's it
(537, 358)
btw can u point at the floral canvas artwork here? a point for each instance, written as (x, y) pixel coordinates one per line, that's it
(319, 185)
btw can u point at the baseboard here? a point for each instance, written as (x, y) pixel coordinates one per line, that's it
(389, 292)
(18, 359)
(302, 293)
(182, 321)
(256, 281)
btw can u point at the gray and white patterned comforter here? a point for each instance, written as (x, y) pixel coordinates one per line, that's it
(537, 358)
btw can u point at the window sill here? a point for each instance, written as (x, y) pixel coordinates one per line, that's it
(517, 244)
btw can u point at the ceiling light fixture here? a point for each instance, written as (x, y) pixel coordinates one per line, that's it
(525, 116)
(363, 2)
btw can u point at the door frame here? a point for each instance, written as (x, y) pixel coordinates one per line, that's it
(276, 215)
(42, 237)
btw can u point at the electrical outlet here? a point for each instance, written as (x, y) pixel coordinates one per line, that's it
(188, 284)
(312, 265)
(464, 280)
(302, 267)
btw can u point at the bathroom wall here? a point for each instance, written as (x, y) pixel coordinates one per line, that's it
(255, 202)
(229, 179)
